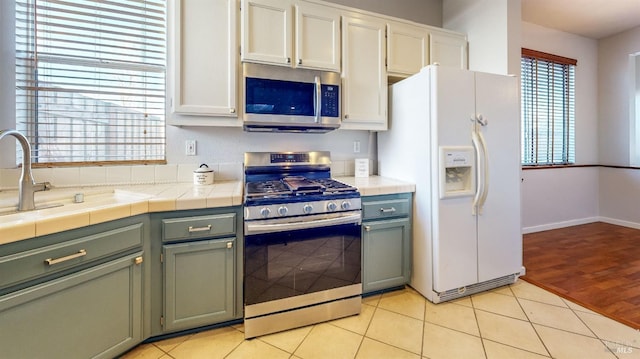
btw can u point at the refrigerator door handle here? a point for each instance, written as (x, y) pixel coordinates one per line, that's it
(485, 172)
(475, 139)
(482, 186)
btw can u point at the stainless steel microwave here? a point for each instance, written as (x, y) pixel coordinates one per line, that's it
(280, 99)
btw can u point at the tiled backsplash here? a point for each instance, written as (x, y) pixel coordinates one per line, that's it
(151, 174)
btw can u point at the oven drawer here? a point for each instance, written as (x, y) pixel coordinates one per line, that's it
(187, 228)
(387, 208)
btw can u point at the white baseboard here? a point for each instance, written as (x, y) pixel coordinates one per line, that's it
(620, 222)
(556, 225)
(575, 222)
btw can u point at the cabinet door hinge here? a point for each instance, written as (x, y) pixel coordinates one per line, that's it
(162, 320)
(161, 258)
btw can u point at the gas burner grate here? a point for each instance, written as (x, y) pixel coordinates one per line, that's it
(335, 186)
(266, 189)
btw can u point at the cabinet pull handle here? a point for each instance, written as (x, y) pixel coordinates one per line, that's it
(51, 261)
(299, 61)
(288, 60)
(229, 245)
(199, 229)
(232, 110)
(387, 210)
(367, 228)
(138, 260)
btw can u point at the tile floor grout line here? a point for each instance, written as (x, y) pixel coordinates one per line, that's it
(475, 315)
(514, 347)
(604, 341)
(532, 326)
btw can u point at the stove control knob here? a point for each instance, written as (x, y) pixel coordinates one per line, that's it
(265, 212)
(283, 210)
(331, 206)
(345, 205)
(307, 208)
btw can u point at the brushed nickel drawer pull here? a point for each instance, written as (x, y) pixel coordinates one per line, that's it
(51, 261)
(387, 210)
(199, 229)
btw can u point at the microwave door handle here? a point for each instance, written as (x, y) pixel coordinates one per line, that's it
(317, 99)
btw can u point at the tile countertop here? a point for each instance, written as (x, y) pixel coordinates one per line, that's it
(107, 203)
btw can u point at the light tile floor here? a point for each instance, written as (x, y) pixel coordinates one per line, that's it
(518, 321)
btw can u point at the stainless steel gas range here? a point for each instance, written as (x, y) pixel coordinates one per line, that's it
(302, 250)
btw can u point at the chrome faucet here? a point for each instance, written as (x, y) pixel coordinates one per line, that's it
(27, 186)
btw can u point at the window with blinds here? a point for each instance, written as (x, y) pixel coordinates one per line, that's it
(90, 80)
(548, 108)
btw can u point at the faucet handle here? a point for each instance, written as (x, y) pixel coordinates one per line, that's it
(43, 186)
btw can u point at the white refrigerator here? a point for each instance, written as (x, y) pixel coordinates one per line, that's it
(456, 135)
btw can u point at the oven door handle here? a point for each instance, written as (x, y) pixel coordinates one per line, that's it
(257, 228)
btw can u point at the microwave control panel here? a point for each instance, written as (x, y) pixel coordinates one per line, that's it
(330, 100)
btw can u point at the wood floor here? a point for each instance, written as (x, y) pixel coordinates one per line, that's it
(596, 265)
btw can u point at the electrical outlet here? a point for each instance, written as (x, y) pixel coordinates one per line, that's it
(356, 146)
(190, 147)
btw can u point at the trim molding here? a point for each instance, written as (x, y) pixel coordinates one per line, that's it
(620, 222)
(576, 222)
(556, 225)
(556, 167)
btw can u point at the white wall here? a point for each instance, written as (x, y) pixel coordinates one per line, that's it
(573, 192)
(559, 198)
(224, 144)
(493, 32)
(614, 82)
(619, 194)
(427, 12)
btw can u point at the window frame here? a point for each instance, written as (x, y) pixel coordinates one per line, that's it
(543, 117)
(135, 126)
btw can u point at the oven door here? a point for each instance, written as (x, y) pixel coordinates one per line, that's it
(284, 260)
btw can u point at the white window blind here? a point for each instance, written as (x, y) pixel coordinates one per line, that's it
(90, 79)
(548, 108)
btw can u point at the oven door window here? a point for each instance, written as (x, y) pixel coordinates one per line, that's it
(286, 264)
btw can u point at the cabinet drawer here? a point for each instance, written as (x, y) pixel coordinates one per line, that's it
(29, 265)
(186, 228)
(386, 208)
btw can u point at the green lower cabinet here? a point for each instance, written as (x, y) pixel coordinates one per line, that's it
(199, 283)
(93, 313)
(386, 254)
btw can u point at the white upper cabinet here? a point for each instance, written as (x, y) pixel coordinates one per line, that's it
(364, 74)
(317, 35)
(268, 33)
(407, 49)
(411, 47)
(448, 49)
(204, 54)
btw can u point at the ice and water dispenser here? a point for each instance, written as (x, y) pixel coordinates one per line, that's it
(457, 171)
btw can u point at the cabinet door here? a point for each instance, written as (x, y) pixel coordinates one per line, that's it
(448, 49)
(407, 49)
(96, 312)
(199, 283)
(317, 37)
(364, 74)
(204, 57)
(266, 31)
(386, 254)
